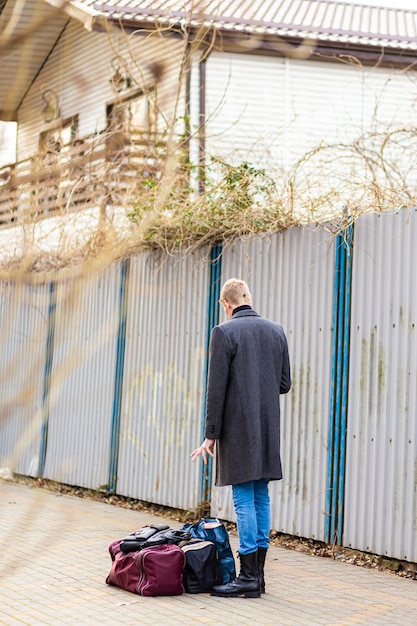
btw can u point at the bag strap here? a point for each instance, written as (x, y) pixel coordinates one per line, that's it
(169, 536)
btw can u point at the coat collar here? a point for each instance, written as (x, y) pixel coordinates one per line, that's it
(245, 313)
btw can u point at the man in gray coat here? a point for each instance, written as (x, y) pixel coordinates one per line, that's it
(249, 368)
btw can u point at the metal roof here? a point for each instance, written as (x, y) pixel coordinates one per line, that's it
(324, 20)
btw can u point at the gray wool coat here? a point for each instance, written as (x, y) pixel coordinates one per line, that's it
(249, 368)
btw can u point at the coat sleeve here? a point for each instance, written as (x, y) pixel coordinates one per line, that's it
(218, 375)
(286, 370)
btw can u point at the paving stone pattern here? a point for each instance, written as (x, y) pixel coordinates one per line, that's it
(54, 561)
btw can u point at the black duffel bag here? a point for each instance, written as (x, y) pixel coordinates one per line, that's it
(202, 568)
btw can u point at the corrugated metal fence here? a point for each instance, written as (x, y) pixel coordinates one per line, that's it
(380, 503)
(103, 381)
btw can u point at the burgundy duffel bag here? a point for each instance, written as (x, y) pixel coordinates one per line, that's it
(155, 571)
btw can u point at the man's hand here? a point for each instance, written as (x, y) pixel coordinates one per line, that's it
(206, 447)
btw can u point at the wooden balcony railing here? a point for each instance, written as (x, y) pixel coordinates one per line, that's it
(96, 171)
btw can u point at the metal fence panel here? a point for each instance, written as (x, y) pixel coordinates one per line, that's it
(163, 379)
(380, 494)
(291, 278)
(24, 321)
(82, 380)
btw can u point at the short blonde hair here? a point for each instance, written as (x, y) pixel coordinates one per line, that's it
(236, 292)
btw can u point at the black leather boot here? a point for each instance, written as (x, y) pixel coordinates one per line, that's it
(261, 564)
(246, 584)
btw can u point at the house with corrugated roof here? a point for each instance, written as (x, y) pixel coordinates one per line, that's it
(110, 98)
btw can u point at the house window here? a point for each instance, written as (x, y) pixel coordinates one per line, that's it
(56, 137)
(130, 121)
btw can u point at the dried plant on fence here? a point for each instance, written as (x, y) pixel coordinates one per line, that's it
(175, 213)
(237, 201)
(374, 172)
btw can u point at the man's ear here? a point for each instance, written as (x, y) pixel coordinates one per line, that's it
(228, 308)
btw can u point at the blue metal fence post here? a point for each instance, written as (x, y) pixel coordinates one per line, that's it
(333, 391)
(50, 334)
(214, 287)
(336, 460)
(339, 381)
(118, 377)
(348, 244)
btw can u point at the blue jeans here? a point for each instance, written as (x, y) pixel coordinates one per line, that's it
(253, 515)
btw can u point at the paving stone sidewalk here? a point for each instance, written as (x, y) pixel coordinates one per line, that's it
(54, 561)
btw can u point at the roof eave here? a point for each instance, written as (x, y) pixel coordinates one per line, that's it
(292, 46)
(376, 48)
(91, 19)
(137, 17)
